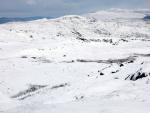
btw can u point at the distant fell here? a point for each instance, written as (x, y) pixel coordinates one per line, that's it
(20, 19)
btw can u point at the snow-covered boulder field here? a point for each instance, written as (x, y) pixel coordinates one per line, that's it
(92, 63)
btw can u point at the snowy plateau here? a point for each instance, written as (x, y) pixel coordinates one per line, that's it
(92, 63)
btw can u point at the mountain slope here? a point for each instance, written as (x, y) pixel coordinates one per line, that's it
(76, 64)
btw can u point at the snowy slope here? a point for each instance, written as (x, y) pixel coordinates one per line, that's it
(94, 63)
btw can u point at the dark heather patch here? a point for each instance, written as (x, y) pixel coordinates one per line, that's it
(119, 61)
(32, 88)
(143, 55)
(35, 89)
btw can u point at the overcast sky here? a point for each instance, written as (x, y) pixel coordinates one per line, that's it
(55, 8)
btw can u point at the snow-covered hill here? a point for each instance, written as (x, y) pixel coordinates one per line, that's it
(93, 63)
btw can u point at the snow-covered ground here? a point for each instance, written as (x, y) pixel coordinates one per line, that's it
(94, 63)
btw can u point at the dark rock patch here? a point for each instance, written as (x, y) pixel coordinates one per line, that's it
(115, 71)
(24, 57)
(31, 36)
(131, 61)
(137, 75)
(82, 39)
(59, 86)
(102, 32)
(41, 59)
(33, 57)
(101, 73)
(121, 65)
(79, 97)
(71, 61)
(78, 34)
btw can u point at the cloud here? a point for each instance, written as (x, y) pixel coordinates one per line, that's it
(31, 2)
(62, 7)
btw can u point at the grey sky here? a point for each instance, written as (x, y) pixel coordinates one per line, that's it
(54, 8)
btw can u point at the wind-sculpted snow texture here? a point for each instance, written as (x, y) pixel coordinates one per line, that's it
(93, 63)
